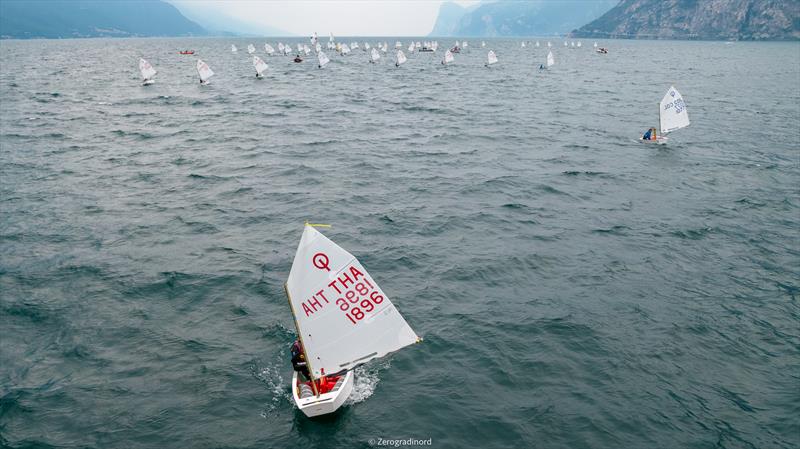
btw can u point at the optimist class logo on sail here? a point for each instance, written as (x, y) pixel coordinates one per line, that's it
(352, 290)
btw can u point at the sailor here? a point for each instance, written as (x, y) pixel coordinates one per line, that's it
(650, 134)
(299, 360)
(541, 66)
(298, 59)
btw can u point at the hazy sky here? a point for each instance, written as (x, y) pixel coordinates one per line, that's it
(343, 18)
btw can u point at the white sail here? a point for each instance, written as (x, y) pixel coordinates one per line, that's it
(345, 49)
(398, 44)
(448, 57)
(299, 48)
(401, 58)
(385, 47)
(672, 111)
(318, 47)
(147, 70)
(491, 58)
(342, 315)
(595, 45)
(331, 38)
(366, 46)
(411, 48)
(418, 44)
(204, 70)
(306, 50)
(281, 48)
(260, 65)
(268, 49)
(578, 44)
(464, 44)
(537, 44)
(549, 44)
(375, 55)
(233, 49)
(522, 44)
(458, 44)
(483, 44)
(251, 49)
(354, 45)
(550, 59)
(323, 59)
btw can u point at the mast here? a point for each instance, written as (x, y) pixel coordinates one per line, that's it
(300, 337)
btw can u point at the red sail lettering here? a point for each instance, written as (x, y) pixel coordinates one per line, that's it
(307, 310)
(356, 274)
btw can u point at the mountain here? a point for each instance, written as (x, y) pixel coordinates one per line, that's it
(528, 18)
(692, 19)
(211, 15)
(87, 18)
(447, 20)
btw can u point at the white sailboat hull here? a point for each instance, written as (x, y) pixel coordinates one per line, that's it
(312, 405)
(660, 140)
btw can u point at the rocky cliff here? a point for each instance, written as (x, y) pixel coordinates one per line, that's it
(698, 19)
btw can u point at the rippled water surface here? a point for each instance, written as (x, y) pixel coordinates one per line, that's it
(575, 288)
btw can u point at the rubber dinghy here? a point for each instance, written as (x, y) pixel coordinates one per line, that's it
(343, 320)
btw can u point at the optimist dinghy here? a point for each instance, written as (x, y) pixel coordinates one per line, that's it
(147, 71)
(672, 115)
(343, 320)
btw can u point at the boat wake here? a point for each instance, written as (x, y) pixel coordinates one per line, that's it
(366, 379)
(275, 384)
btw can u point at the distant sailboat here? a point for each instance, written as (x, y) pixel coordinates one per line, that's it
(549, 44)
(448, 57)
(233, 49)
(537, 44)
(345, 49)
(398, 44)
(366, 46)
(337, 335)
(522, 44)
(483, 44)
(374, 56)
(411, 48)
(204, 71)
(595, 45)
(578, 44)
(323, 59)
(251, 49)
(306, 50)
(269, 50)
(549, 61)
(260, 66)
(491, 58)
(401, 58)
(281, 48)
(147, 71)
(672, 116)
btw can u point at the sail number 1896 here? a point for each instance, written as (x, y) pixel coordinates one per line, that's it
(359, 300)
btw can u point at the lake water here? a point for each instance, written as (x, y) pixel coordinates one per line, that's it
(575, 288)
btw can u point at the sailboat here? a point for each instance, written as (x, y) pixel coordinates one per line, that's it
(448, 57)
(147, 71)
(537, 44)
(343, 320)
(204, 71)
(398, 45)
(233, 49)
(260, 66)
(491, 58)
(549, 61)
(483, 44)
(401, 58)
(323, 59)
(522, 44)
(268, 49)
(374, 56)
(672, 116)
(578, 44)
(345, 49)
(251, 49)
(411, 48)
